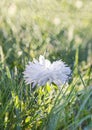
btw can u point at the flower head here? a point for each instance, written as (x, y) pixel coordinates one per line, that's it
(42, 71)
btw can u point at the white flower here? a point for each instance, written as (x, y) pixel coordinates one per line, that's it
(43, 71)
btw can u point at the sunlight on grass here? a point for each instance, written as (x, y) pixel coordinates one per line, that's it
(57, 29)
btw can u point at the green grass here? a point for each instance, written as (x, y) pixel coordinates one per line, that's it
(45, 108)
(57, 29)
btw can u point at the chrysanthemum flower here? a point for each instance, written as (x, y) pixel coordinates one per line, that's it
(41, 71)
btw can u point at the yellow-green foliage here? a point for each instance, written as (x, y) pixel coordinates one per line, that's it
(58, 29)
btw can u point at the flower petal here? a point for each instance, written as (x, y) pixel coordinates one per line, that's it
(42, 71)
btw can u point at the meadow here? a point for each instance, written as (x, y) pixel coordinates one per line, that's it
(57, 29)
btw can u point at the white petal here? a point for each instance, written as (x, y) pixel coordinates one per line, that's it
(41, 60)
(42, 71)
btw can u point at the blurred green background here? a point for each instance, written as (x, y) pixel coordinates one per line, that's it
(57, 29)
(54, 28)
